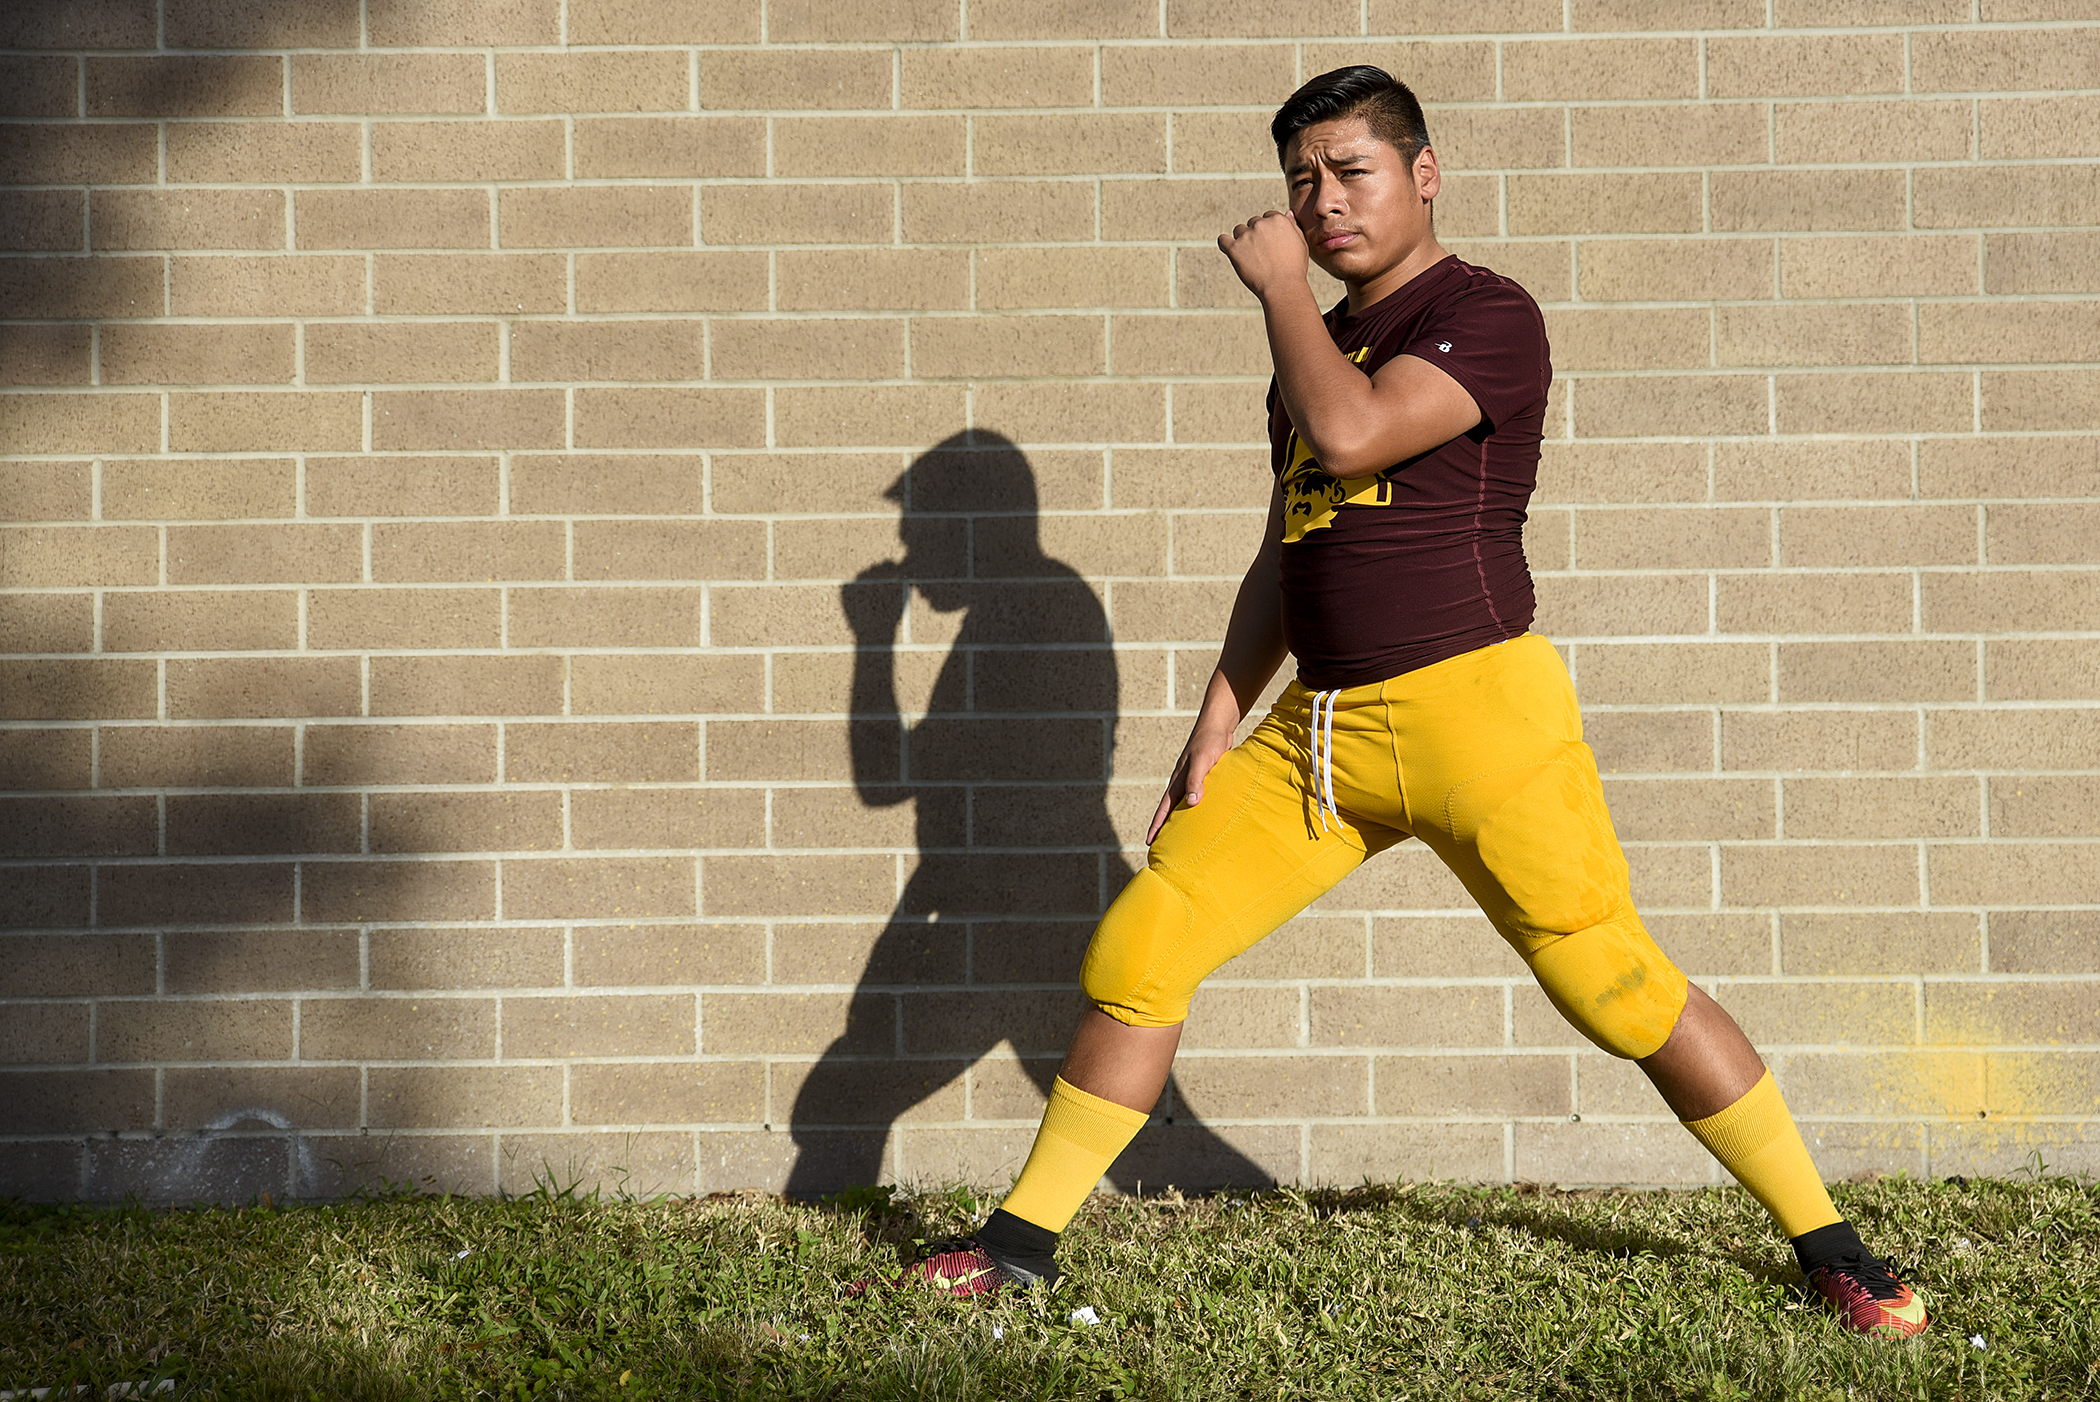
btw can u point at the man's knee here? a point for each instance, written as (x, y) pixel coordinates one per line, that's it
(1121, 973)
(1614, 984)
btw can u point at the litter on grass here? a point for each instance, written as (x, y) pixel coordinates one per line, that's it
(1976, 1341)
(1085, 1315)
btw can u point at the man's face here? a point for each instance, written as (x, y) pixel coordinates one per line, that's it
(1363, 209)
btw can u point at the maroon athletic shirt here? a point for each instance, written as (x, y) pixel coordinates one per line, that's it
(1425, 560)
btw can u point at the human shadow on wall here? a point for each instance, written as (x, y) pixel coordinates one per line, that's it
(1017, 857)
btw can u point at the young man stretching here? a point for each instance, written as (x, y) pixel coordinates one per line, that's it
(1404, 431)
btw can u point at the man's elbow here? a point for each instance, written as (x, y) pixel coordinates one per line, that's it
(1349, 457)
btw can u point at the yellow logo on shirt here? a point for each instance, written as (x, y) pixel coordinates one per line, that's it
(1311, 495)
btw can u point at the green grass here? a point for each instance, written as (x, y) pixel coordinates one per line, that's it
(1378, 1292)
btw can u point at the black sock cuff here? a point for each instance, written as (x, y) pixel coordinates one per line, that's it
(1007, 1235)
(1826, 1244)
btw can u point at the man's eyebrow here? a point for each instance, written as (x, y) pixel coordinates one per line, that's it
(1346, 158)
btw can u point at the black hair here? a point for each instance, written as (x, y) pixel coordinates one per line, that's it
(1382, 100)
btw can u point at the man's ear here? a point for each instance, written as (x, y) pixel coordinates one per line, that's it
(1429, 179)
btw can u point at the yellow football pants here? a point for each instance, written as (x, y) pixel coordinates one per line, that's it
(1481, 757)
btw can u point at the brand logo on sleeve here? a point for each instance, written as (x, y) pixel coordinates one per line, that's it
(1443, 345)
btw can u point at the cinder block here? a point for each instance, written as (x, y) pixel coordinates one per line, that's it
(856, 213)
(192, 85)
(1992, 1013)
(2042, 467)
(857, 348)
(595, 215)
(709, 1092)
(1998, 59)
(777, 616)
(867, 145)
(789, 1023)
(427, 284)
(1181, 208)
(473, 960)
(41, 86)
(247, 824)
(1589, 606)
(326, 219)
(46, 897)
(1471, 1086)
(1801, 201)
(1709, 134)
(1708, 944)
(76, 287)
(1878, 265)
(670, 282)
(783, 886)
(669, 818)
(669, 955)
(668, 418)
(1240, 1019)
(1671, 406)
(842, 1093)
(1878, 535)
(46, 759)
(604, 617)
(395, 1029)
(1673, 538)
(670, 147)
(1797, 603)
(2040, 399)
(1219, 413)
(1651, 742)
(632, 752)
(225, 688)
(210, 1030)
(76, 1102)
(1877, 671)
(1651, 673)
(260, 961)
(2009, 600)
(264, 554)
(1824, 1014)
(1634, 472)
(1806, 471)
(1600, 1151)
(200, 621)
(163, 756)
(45, 1033)
(67, 423)
(2043, 942)
(872, 279)
(1822, 874)
(262, 286)
(1214, 19)
(1875, 942)
(571, 83)
(2041, 805)
(2009, 1148)
(2040, 535)
(2039, 671)
(1036, 211)
(1819, 740)
(2014, 874)
(48, 491)
(585, 484)
(1994, 196)
(1629, 340)
(1805, 65)
(453, 420)
(252, 152)
(795, 78)
(1849, 334)
(1544, 268)
(1353, 1154)
(1891, 402)
(470, 686)
(1460, 1015)
(76, 690)
(602, 1025)
(411, 351)
(189, 489)
(1594, 70)
(394, 24)
(102, 154)
(464, 822)
(1244, 1087)
(1999, 738)
(286, 421)
(34, 557)
(405, 486)
(1703, 14)
(418, 552)
(47, 623)
(1848, 132)
(2050, 262)
(1678, 810)
(1216, 543)
(779, 749)
(462, 1097)
(388, 84)
(2039, 332)
(1068, 145)
(607, 684)
(1160, 75)
(431, 1163)
(1228, 143)
(417, 152)
(252, 1097)
(411, 890)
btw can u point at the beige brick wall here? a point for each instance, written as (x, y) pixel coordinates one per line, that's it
(449, 451)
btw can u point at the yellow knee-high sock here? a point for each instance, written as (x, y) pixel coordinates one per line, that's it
(1755, 1139)
(1080, 1138)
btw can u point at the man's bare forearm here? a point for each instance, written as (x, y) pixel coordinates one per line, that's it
(1330, 401)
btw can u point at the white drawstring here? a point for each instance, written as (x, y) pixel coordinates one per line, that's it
(1323, 757)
